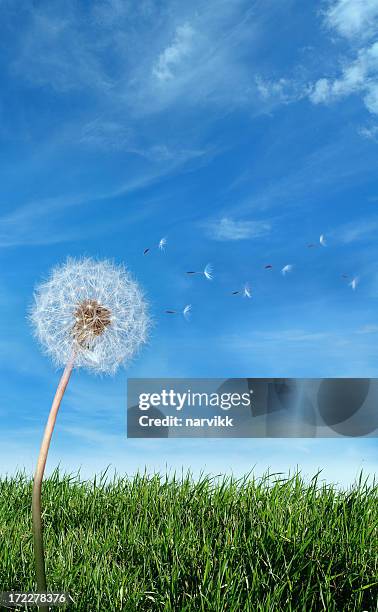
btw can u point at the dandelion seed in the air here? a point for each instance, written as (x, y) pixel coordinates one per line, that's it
(186, 312)
(322, 240)
(162, 244)
(286, 269)
(207, 272)
(89, 314)
(245, 292)
(354, 282)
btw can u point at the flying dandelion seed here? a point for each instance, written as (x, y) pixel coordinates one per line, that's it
(354, 282)
(322, 240)
(186, 312)
(207, 272)
(89, 314)
(246, 291)
(286, 269)
(162, 244)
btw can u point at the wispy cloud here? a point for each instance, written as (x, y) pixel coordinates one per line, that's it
(56, 52)
(328, 169)
(283, 336)
(170, 59)
(284, 90)
(34, 223)
(227, 229)
(357, 230)
(146, 59)
(301, 352)
(368, 329)
(113, 135)
(45, 222)
(369, 132)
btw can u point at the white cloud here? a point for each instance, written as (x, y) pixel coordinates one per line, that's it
(54, 52)
(321, 91)
(113, 135)
(106, 134)
(228, 229)
(369, 132)
(371, 98)
(283, 90)
(353, 18)
(170, 59)
(144, 58)
(361, 75)
(357, 22)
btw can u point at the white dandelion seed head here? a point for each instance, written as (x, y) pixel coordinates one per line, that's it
(93, 310)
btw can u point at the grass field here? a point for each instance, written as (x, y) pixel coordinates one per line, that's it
(158, 544)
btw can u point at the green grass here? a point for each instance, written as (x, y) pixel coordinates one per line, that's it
(179, 545)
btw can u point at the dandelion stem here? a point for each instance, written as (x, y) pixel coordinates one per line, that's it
(38, 477)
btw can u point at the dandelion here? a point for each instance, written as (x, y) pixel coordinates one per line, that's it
(88, 314)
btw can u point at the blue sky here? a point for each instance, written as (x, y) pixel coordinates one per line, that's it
(239, 130)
